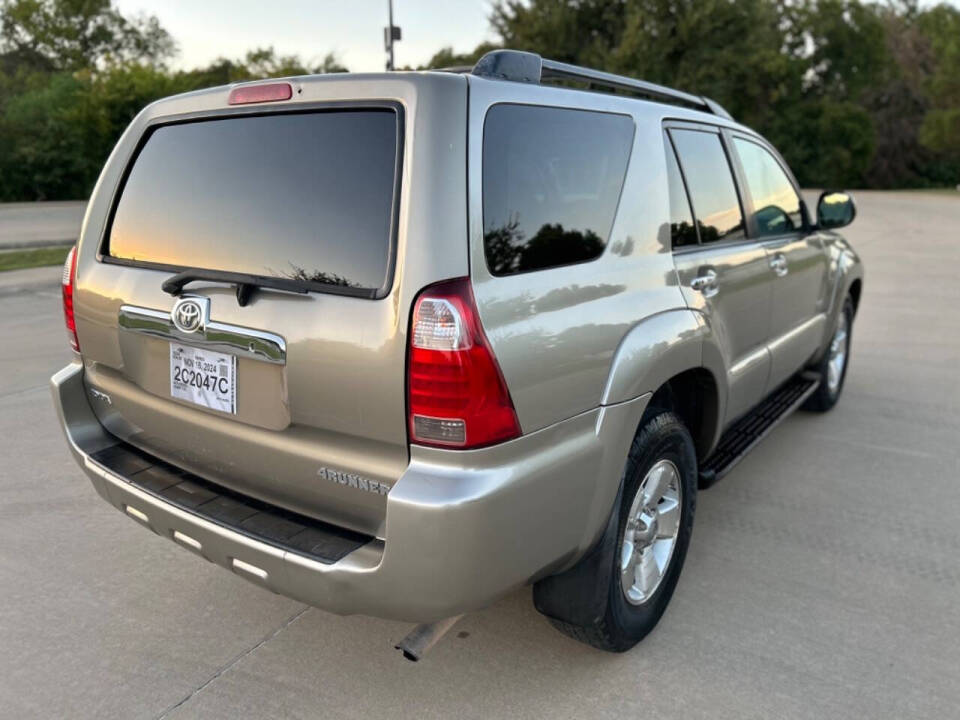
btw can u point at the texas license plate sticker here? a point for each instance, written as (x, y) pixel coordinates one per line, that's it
(204, 378)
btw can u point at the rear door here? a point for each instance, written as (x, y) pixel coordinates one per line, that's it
(301, 393)
(776, 218)
(723, 273)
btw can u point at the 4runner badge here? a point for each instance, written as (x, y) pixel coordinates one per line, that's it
(353, 480)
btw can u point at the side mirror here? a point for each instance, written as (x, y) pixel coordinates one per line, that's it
(835, 209)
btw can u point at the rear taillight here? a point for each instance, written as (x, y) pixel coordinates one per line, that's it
(456, 395)
(67, 283)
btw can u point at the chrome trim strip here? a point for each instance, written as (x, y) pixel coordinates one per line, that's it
(221, 337)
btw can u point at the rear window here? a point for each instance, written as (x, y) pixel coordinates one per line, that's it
(551, 183)
(309, 197)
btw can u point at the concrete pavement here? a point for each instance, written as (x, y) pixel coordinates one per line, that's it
(822, 580)
(25, 225)
(16, 282)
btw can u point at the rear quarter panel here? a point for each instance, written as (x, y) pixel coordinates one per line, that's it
(555, 332)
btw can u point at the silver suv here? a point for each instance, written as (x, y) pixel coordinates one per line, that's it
(396, 344)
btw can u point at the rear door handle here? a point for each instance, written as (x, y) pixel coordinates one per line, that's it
(706, 282)
(779, 264)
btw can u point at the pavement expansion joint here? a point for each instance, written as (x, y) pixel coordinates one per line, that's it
(233, 661)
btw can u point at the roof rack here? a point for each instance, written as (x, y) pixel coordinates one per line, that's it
(520, 66)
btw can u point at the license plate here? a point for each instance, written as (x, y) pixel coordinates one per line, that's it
(205, 378)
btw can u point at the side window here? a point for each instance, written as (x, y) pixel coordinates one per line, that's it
(682, 229)
(551, 184)
(710, 181)
(776, 204)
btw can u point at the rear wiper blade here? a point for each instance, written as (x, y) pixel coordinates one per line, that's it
(244, 282)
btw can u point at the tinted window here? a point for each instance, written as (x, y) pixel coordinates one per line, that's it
(776, 204)
(682, 230)
(301, 196)
(551, 183)
(712, 191)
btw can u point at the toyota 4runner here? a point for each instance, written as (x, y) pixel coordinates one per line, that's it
(396, 344)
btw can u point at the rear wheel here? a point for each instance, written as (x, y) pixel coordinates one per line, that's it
(833, 365)
(630, 578)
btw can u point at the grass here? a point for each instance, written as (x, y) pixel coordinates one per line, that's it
(20, 259)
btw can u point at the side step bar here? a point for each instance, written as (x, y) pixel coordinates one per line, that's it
(747, 432)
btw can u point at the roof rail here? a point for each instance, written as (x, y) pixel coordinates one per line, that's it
(520, 66)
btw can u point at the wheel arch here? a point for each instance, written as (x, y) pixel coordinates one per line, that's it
(673, 356)
(856, 288)
(848, 283)
(694, 396)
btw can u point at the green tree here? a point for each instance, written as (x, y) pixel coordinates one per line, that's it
(259, 63)
(731, 52)
(446, 58)
(829, 131)
(574, 31)
(74, 73)
(50, 35)
(828, 144)
(56, 134)
(853, 92)
(44, 135)
(801, 72)
(841, 43)
(940, 131)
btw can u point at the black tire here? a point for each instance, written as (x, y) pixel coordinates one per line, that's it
(587, 602)
(825, 397)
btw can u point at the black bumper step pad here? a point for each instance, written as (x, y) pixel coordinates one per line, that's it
(741, 437)
(258, 520)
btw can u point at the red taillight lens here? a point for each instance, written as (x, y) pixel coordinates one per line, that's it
(456, 395)
(67, 283)
(270, 92)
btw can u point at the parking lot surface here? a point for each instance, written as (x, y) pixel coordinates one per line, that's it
(24, 225)
(823, 578)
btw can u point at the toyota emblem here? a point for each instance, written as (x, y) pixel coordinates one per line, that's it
(187, 315)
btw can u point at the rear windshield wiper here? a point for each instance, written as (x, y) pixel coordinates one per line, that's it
(246, 284)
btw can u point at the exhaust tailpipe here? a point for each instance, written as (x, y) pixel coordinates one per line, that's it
(423, 637)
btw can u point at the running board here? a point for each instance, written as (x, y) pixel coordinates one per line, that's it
(747, 432)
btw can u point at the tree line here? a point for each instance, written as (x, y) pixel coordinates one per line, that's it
(853, 93)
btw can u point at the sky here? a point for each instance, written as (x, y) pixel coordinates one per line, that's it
(351, 29)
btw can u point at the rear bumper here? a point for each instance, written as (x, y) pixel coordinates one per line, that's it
(462, 528)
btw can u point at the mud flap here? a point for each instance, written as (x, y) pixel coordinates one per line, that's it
(579, 595)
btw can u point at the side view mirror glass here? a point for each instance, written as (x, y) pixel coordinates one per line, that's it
(835, 209)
